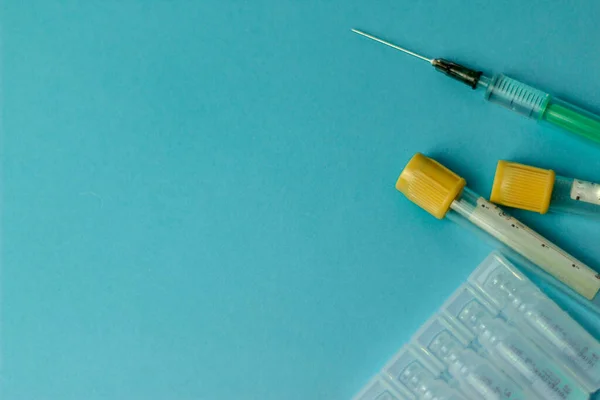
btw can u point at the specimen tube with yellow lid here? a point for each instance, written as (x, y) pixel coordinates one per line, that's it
(541, 190)
(443, 193)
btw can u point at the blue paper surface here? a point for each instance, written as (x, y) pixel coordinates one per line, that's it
(198, 197)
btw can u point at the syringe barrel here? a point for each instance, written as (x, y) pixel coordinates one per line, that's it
(516, 96)
(536, 104)
(572, 118)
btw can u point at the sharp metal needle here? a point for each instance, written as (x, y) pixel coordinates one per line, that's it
(392, 45)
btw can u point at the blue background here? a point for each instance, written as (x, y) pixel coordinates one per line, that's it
(198, 196)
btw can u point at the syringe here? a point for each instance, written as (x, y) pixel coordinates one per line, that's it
(515, 95)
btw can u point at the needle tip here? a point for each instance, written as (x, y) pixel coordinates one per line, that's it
(391, 45)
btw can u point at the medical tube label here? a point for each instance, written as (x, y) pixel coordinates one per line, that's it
(545, 380)
(587, 192)
(536, 248)
(490, 384)
(586, 355)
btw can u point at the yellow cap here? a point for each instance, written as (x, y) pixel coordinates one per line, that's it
(430, 185)
(522, 186)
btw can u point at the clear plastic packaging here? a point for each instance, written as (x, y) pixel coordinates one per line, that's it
(511, 350)
(497, 338)
(523, 305)
(476, 376)
(411, 369)
(380, 389)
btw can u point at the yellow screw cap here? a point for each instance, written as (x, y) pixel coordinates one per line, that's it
(522, 186)
(430, 185)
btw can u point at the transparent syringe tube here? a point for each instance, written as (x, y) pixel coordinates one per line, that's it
(541, 190)
(442, 193)
(541, 106)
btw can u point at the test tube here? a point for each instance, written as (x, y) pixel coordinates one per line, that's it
(538, 105)
(442, 193)
(541, 190)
